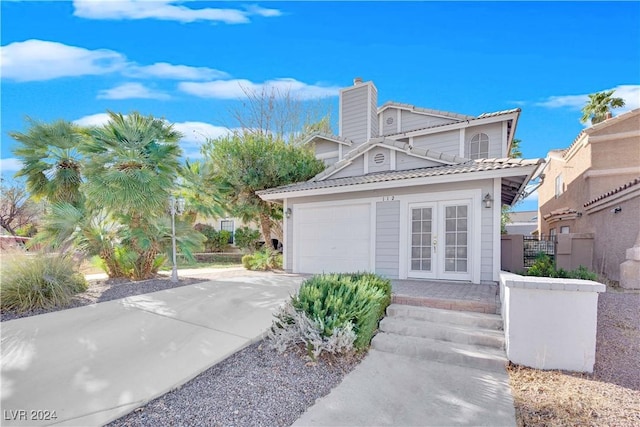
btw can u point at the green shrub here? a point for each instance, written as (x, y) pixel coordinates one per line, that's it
(544, 267)
(264, 259)
(334, 300)
(38, 281)
(217, 241)
(247, 260)
(583, 273)
(247, 239)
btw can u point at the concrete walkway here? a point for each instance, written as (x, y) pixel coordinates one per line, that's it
(392, 390)
(93, 364)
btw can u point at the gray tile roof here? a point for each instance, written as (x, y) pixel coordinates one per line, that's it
(456, 116)
(481, 116)
(468, 167)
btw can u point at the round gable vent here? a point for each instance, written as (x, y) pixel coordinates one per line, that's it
(389, 120)
(378, 159)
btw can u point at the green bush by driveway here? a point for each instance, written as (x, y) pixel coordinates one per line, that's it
(333, 312)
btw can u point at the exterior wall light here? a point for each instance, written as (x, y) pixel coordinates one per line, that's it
(488, 201)
(288, 213)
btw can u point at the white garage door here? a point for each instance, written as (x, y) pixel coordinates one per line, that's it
(332, 238)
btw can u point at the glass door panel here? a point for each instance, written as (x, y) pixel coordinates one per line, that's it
(456, 236)
(422, 226)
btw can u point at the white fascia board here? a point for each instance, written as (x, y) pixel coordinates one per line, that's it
(413, 110)
(454, 126)
(411, 153)
(411, 182)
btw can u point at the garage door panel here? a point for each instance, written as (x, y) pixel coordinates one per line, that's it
(333, 238)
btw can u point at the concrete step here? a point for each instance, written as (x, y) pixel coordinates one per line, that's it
(467, 318)
(462, 334)
(473, 356)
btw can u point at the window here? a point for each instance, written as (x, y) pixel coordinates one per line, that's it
(564, 229)
(552, 232)
(479, 146)
(227, 225)
(559, 186)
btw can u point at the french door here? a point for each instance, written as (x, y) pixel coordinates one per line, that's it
(439, 240)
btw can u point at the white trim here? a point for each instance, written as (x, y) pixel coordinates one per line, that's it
(497, 218)
(311, 205)
(340, 152)
(285, 235)
(417, 110)
(475, 226)
(328, 155)
(380, 125)
(399, 121)
(504, 147)
(449, 178)
(610, 172)
(462, 140)
(392, 160)
(340, 115)
(366, 162)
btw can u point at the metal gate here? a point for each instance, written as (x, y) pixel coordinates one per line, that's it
(534, 245)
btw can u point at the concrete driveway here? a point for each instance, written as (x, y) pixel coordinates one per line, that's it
(91, 365)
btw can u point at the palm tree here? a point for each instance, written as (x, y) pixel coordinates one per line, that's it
(132, 167)
(52, 162)
(599, 106)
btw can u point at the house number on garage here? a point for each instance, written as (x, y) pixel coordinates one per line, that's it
(388, 198)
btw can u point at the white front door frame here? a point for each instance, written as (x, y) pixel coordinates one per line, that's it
(472, 197)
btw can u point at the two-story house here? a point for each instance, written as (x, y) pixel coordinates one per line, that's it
(594, 187)
(408, 192)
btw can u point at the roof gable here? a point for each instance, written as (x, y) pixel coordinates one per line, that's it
(431, 155)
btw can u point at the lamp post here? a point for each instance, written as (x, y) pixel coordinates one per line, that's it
(177, 207)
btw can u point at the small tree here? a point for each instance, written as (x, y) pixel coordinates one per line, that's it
(242, 165)
(17, 210)
(599, 106)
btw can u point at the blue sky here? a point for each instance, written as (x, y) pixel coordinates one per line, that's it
(188, 61)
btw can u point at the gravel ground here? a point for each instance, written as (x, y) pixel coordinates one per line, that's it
(608, 397)
(255, 387)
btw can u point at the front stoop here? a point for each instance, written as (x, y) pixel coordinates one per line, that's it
(460, 338)
(447, 304)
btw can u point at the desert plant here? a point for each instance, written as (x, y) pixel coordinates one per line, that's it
(292, 327)
(333, 300)
(247, 239)
(40, 281)
(264, 259)
(544, 267)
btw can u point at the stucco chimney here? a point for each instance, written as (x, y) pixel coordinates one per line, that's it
(358, 120)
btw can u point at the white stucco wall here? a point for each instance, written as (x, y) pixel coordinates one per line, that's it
(550, 323)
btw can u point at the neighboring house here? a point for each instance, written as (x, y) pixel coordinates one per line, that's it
(523, 222)
(594, 187)
(408, 192)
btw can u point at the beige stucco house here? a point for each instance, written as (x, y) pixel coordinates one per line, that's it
(594, 187)
(408, 192)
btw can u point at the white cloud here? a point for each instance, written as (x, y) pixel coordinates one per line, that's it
(131, 91)
(176, 72)
(37, 60)
(93, 120)
(10, 164)
(237, 88)
(167, 10)
(630, 94)
(34, 60)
